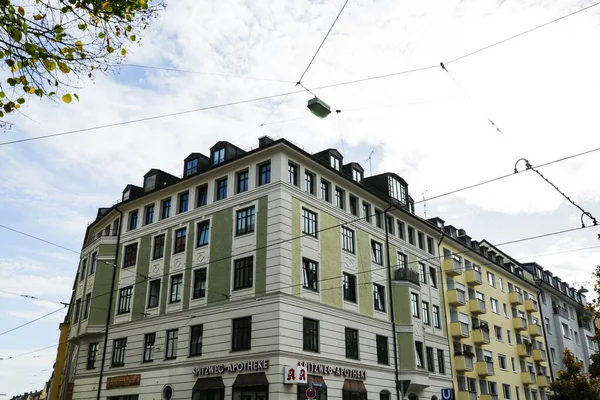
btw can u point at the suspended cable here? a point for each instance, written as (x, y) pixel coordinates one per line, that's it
(32, 321)
(28, 296)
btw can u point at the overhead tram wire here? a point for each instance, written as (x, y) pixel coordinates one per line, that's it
(32, 321)
(439, 257)
(293, 92)
(32, 297)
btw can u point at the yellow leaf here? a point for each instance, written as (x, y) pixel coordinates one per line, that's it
(106, 4)
(37, 17)
(21, 11)
(67, 98)
(79, 45)
(64, 68)
(14, 68)
(123, 52)
(31, 90)
(142, 2)
(17, 106)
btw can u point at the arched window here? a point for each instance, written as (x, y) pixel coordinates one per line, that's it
(384, 395)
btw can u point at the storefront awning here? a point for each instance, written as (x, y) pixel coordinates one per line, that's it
(249, 380)
(215, 382)
(354, 386)
(317, 381)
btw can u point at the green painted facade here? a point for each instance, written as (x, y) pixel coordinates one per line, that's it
(296, 247)
(260, 285)
(106, 250)
(402, 306)
(219, 276)
(141, 268)
(102, 284)
(365, 284)
(406, 353)
(164, 290)
(187, 273)
(331, 262)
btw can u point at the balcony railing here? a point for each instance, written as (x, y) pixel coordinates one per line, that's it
(452, 266)
(528, 378)
(539, 355)
(463, 395)
(485, 368)
(456, 297)
(99, 235)
(481, 336)
(516, 298)
(459, 329)
(519, 323)
(531, 305)
(463, 363)
(406, 274)
(561, 311)
(543, 381)
(535, 330)
(477, 306)
(473, 277)
(524, 350)
(487, 396)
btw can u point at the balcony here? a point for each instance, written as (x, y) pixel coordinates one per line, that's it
(477, 306)
(473, 277)
(485, 368)
(516, 298)
(486, 396)
(531, 305)
(463, 363)
(543, 381)
(406, 274)
(563, 312)
(524, 350)
(459, 329)
(99, 235)
(535, 330)
(584, 322)
(456, 297)
(539, 355)
(481, 336)
(466, 395)
(452, 266)
(520, 324)
(528, 378)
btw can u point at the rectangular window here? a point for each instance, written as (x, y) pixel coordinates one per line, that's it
(502, 361)
(366, 208)
(402, 260)
(432, 277)
(411, 235)
(221, 189)
(245, 221)
(506, 391)
(149, 214)
(310, 272)
(505, 309)
(86, 305)
(378, 219)
(218, 156)
(242, 182)
(242, 273)
(92, 355)
(264, 174)
(171, 344)
(293, 174)
(401, 230)
(339, 198)
(347, 239)
(508, 336)
(553, 355)
(176, 288)
(125, 300)
(149, 342)
(183, 202)
(203, 233)
(133, 220)
(201, 195)
(498, 332)
(118, 356)
(353, 205)
(430, 246)
(196, 333)
(421, 240)
(349, 287)
(309, 222)
(335, 162)
(441, 362)
(430, 365)
(425, 310)
(548, 330)
(414, 302)
(495, 308)
(242, 334)
(514, 364)
(165, 208)
(325, 190)
(357, 175)
(309, 182)
(77, 311)
(159, 247)
(180, 236)
(130, 255)
(199, 283)
(422, 273)
(379, 297)
(191, 167)
(382, 350)
(94, 263)
(351, 343)
(419, 354)
(376, 253)
(310, 335)
(501, 284)
(436, 317)
(491, 279)
(154, 293)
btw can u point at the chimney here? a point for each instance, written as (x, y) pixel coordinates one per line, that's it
(264, 141)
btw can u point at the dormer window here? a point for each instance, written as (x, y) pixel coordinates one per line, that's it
(398, 190)
(335, 162)
(357, 175)
(219, 156)
(126, 195)
(191, 167)
(149, 183)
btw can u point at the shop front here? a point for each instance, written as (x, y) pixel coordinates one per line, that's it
(314, 386)
(250, 383)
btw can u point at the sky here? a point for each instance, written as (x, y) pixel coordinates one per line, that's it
(431, 127)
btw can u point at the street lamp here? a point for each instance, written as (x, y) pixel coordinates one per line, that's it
(318, 107)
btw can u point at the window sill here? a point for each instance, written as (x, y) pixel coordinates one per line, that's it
(201, 245)
(194, 355)
(350, 301)
(122, 313)
(147, 361)
(243, 288)
(170, 358)
(238, 350)
(179, 252)
(174, 301)
(117, 366)
(157, 258)
(127, 266)
(199, 297)
(151, 307)
(237, 234)
(310, 235)
(311, 290)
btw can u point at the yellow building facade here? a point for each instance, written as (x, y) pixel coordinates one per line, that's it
(59, 365)
(495, 329)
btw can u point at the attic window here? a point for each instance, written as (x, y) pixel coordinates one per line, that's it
(149, 183)
(357, 175)
(219, 156)
(397, 190)
(126, 195)
(335, 162)
(191, 167)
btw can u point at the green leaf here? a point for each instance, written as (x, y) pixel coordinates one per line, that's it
(110, 49)
(67, 98)
(76, 96)
(30, 48)
(64, 68)
(16, 35)
(20, 100)
(123, 52)
(51, 94)
(7, 108)
(101, 35)
(132, 38)
(83, 27)
(50, 65)
(2, 95)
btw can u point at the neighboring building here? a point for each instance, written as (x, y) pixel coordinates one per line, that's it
(494, 321)
(566, 321)
(52, 388)
(251, 263)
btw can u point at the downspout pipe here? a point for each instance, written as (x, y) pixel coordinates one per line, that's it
(389, 277)
(110, 303)
(443, 302)
(539, 292)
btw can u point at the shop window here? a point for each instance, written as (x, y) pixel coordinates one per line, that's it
(354, 390)
(318, 383)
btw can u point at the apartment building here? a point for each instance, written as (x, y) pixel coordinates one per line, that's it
(264, 274)
(566, 321)
(494, 321)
